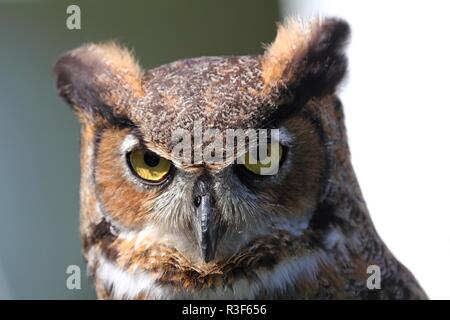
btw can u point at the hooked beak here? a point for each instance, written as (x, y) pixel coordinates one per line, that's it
(206, 220)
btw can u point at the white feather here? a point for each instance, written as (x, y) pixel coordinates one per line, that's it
(126, 285)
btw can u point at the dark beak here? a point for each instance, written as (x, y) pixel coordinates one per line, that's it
(206, 219)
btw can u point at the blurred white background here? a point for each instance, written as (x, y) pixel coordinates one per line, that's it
(398, 118)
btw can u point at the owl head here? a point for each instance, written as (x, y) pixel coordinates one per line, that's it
(137, 192)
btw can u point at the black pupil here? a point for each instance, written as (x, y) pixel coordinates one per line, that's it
(151, 159)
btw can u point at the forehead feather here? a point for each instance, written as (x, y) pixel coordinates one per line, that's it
(218, 92)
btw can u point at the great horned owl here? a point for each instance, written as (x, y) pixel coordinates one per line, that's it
(156, 227)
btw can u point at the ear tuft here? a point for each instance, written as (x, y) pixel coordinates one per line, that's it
(293, 37)
(306, 57)
(98, 78)
(118, 58)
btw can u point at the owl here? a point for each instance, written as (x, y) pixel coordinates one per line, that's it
(160, 224)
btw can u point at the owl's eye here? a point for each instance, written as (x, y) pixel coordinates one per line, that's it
(266, 164)
(148, 165)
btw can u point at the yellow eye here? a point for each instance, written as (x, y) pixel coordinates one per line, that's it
(265, 164)
(148, 165)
